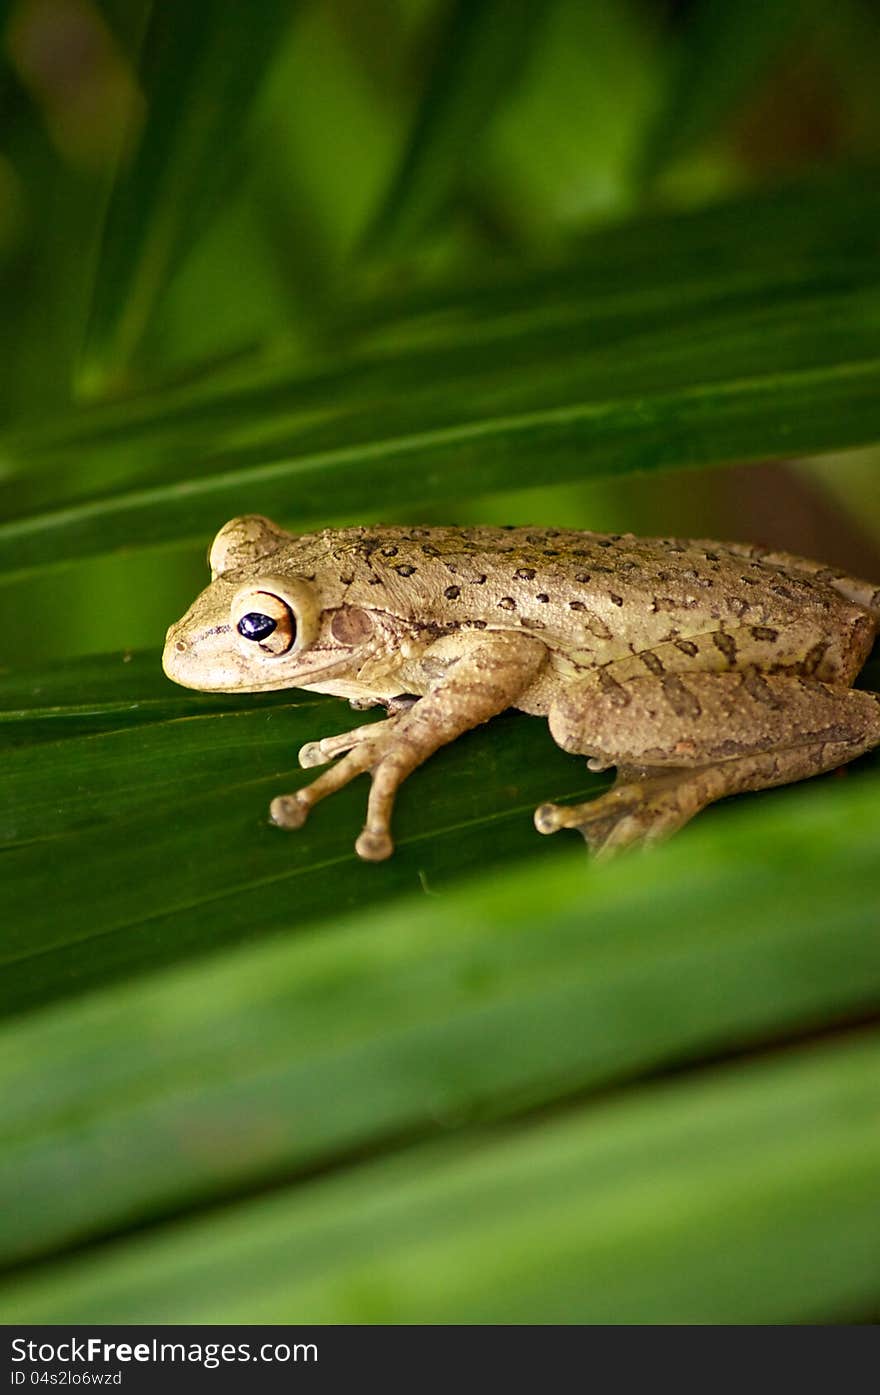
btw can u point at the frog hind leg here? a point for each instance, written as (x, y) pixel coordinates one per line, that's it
(681, 744)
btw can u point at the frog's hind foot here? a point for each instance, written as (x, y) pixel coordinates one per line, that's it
(637, 811)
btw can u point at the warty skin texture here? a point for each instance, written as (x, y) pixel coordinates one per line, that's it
(698, 668)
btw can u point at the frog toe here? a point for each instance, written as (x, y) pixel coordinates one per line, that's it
(311, 755)
(374, 845)
(614, 821)
(288, 811)
(550, 817)
(329, 748)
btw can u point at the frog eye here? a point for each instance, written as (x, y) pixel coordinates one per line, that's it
(273, 616)
(267, 621)
(255, 626)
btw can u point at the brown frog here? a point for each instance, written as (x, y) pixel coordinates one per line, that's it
(699, 669)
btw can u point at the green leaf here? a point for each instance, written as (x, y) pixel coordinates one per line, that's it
(477, 60)
(441, 1011)
(743, 1195)
(201, 67)
(723, 55)
(133, 796)
(726, 336)
(243, 1074)
(154, 815)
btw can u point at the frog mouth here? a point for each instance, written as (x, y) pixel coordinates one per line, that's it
(181, 664)
(337, 668)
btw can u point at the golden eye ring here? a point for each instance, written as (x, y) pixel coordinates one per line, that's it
(275, 615)
(266, 620)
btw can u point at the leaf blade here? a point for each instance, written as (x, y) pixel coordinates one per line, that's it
(694, 369)
(650, 1208)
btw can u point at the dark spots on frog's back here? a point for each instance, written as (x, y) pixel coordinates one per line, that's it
(405, 569)
(452, 593)
(507, 603)
(725, 644)
(688, 647)
(683, 702)
(760, 690)
(652, 663)
(614, 691)
(671, 604)
(764, 633)
(814, 656)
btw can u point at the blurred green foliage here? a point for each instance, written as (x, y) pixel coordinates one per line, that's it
(435, 260)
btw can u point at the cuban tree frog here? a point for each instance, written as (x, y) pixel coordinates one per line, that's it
(698, 669)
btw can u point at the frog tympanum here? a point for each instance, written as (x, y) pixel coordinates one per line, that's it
(699, 669)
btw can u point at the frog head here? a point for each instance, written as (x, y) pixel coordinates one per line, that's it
(264, 622)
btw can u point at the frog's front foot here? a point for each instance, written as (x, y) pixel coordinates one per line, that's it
(291, 811)
(490, 672)
(329, 747)
(369, 749)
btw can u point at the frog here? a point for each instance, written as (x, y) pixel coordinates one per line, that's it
(697, 669)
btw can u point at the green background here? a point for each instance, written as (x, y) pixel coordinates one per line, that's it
(562, 262)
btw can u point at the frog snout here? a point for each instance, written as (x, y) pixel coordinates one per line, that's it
(174, 655)
(197, 657)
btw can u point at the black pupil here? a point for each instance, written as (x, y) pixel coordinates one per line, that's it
(256, 626)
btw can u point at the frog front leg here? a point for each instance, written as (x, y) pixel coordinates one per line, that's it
(327, 748)
(487, 676)
(680, 743)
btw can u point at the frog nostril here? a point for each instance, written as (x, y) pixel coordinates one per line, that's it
(180, 646)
